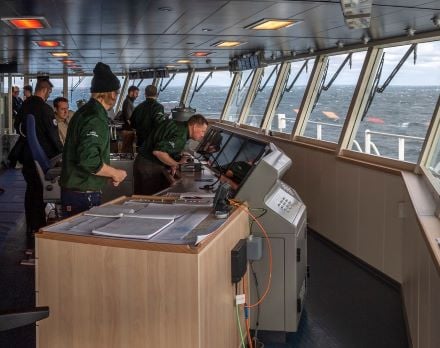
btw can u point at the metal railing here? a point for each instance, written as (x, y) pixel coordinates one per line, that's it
(369, 146)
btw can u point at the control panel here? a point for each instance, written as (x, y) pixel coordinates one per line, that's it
(283, 203)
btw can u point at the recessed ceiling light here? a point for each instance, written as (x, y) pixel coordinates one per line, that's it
(26, 22)
(272, 24)
(206, 29)
(184, 61)
(228, 43)
(165, 9)
(200, 54)
(48, 43)
(59, 54)
(170, 66)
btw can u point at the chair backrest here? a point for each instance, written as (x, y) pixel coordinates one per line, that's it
(37, 151)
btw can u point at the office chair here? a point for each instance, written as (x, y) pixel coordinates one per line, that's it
(47, 169)
(12, 320)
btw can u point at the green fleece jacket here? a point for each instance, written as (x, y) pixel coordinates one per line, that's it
(86, 149)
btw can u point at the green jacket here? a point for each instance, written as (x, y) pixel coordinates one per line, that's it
(170, 137)
(145, 118)
(86, 149)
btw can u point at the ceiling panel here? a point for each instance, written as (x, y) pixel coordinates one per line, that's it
(136, 33)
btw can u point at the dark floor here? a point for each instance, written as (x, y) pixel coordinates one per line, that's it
(346, 306)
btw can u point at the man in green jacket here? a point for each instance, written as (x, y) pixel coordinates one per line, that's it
(86, 156)
(147, 115)
(163, 148)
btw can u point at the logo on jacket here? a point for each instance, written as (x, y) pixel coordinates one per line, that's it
(171, 144)
(92, 134)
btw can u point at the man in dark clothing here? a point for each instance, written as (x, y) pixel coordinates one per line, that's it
(86, 157)
(17, 102)
(147, 115)
(127, 132)
(164, 148)
(47, 134)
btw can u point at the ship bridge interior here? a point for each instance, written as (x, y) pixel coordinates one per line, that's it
(349, 90)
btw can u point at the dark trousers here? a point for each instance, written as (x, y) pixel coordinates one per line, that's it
(75, 202)
(33, 202)
(148, 176)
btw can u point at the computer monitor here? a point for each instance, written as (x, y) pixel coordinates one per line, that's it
(231, 155)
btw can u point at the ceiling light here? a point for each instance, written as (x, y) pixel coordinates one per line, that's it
(228, 43)
(184, 61)
(200, 54)
(272, 24)
(206, 29)
(170, 66)
(67, 61)
(164, 9)
(48, 43)
(26, 22)
(59, 54)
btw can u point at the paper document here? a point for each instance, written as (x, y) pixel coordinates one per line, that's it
(130, 227)
(111, 210)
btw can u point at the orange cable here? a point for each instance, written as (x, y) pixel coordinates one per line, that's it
(269, 247)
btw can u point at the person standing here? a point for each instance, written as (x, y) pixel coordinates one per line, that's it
(163, 149)
(27, 91)
(147, 115)
(127, 132)
(86, 157)
(17, 102)
(47, 134)
(61, 106)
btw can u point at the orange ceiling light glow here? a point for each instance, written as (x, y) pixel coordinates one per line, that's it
(27, 22)
(272, 24)
(48, 43)
(200, 54)
(228, 44)
(68, 61)
(184, 61)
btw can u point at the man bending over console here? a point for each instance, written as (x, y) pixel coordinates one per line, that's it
(163, 148)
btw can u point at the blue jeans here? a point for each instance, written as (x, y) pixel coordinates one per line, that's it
(75, 202)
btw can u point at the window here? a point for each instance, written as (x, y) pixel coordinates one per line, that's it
(291, 96)
(262, 96)
(397, 120)
(331, 105)
(209, 98)
(238, 96)
(170, 90)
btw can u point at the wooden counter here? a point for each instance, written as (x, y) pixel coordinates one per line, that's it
(106, 292)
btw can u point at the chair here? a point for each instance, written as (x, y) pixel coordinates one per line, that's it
(48, 170)
(12, 320)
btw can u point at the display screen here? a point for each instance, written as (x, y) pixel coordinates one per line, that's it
(231, 155)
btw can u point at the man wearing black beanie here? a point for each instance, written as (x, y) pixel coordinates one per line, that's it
(86, 156)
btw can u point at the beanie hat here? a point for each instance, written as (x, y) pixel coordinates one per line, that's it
(103, 79)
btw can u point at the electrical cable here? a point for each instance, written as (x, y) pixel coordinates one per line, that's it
(246, 316)
(269, 247)
(257, 290)
(239, 327)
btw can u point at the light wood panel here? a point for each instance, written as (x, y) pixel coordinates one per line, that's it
(112, 296)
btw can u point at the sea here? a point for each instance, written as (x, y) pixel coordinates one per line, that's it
(398, 117)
